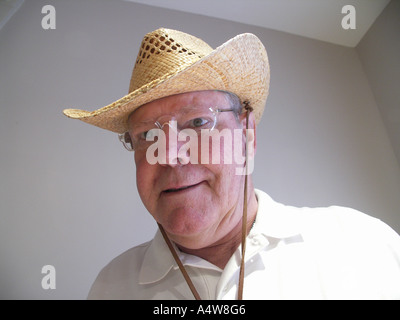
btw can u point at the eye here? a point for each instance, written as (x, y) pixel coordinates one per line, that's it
(148, 135)
(198, 122)
(143, 135)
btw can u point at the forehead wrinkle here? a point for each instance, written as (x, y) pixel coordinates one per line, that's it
(189, 103)
(182, 110)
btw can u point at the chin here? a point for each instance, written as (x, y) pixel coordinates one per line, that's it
(187, 227)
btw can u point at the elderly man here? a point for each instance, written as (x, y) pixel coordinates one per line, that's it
(190, 118)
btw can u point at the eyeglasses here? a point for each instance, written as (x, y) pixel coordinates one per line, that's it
(142, 134)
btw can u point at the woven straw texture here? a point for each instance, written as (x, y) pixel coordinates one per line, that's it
(171, 62)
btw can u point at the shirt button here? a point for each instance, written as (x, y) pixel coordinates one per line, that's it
(255, 242)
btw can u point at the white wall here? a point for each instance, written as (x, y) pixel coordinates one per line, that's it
(68, 196)
(379, 52)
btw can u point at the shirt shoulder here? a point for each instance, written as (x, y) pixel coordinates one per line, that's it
(322, 222)
(344, 222)
(334, 225)
(117, 279)
(352, 255)
(364, 250)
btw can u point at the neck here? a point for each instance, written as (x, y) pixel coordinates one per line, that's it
(220, 252)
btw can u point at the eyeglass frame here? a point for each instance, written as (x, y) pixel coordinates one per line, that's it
(129, 144)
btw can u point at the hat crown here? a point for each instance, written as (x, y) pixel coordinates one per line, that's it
(165, 52)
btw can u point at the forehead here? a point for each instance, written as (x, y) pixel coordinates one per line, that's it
(173, 104)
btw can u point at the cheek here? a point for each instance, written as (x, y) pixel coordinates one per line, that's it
(222, 147)
(226, 182)
(144, 178)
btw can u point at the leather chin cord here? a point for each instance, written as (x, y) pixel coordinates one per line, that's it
(244, 230)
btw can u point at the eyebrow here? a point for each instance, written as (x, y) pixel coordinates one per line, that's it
(188, 109)
(141, 124)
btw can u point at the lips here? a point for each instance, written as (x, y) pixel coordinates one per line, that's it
(178, 189)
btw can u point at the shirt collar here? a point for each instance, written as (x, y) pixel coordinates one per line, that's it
(158, 261)
(274, 220)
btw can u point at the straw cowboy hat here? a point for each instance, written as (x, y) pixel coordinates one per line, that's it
(172, 62)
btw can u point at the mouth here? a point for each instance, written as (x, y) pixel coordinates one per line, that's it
(181, 189)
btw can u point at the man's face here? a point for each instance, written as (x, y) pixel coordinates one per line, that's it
(197, 204)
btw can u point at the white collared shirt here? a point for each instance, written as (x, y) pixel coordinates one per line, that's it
(291, 253)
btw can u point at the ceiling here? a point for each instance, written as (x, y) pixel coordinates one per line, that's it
(7, 9)
(316, 19)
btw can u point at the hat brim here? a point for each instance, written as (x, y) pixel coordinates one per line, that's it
(240, 66)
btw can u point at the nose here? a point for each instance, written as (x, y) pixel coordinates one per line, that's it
(173, 152)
